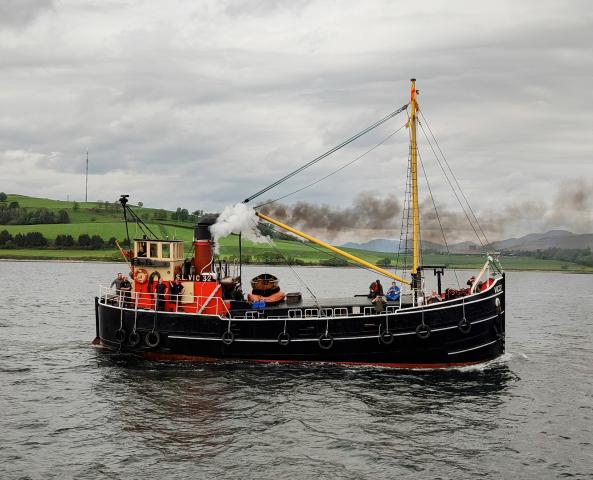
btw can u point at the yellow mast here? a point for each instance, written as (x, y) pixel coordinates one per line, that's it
(344, 254)
(414, 171)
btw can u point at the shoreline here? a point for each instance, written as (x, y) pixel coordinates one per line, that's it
(107, 261)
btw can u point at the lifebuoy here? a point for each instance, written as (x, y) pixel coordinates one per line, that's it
(152, 338)
(140, 275)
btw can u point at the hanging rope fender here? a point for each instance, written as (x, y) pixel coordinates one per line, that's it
(464, 325)
(423, 331)
(152, 338)
(326, 341)
(228, 337)
(284, 337)
(120, 335)
(134, 339)
(385, 336)
(327, 154)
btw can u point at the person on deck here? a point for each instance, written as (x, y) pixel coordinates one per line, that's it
(126, 290)
(372, 289)
(160, 291)
(434, 297)
(393, 292)
(175, 292)
(376, 289)
(117, 281)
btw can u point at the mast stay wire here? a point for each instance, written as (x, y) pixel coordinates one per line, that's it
(454, 177)
(269, 202)
(438, 216)
(451, 185)
(326, 154)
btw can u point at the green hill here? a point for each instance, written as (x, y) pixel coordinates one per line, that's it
(105, 219)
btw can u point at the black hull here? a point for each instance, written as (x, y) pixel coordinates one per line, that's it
(395, 339)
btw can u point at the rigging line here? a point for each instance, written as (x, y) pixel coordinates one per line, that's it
(334, 172)
(437, 215)
(406, 217)
(328, 153)
(271, 243)
(451, 185)
(402, 225)
(455, 178)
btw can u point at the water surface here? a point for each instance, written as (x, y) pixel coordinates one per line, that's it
(71, 411)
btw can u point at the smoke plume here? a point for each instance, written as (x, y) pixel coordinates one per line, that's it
(571, 208)
(368, 212)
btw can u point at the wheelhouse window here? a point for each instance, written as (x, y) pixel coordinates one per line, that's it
(141, 249)
(154, 250)
(166, 250)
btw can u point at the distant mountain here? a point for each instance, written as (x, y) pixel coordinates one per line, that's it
(389, 246)
(541, 241)
(533, 241)
(377, 245)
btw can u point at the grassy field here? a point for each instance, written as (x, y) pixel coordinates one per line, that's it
(90, 212)
(106, 230)
(91, 218)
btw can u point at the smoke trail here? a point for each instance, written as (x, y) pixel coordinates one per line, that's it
(368, 212)
(571, 209)
(238, 218)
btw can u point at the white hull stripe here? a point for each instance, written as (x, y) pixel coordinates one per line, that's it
(473, 348)
(365, 337)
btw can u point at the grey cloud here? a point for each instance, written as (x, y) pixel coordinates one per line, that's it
(227, 97)
(16, 14)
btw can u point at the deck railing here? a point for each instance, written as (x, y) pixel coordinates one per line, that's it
(166, 302)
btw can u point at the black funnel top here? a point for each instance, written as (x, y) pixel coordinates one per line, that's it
(202, 230)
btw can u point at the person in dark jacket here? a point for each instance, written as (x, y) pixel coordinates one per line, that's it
(160, 291)
(175, 292)
(125, 289)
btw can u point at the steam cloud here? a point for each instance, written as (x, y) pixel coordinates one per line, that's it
(238, 218)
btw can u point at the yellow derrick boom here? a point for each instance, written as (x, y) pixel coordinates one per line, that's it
(342, 253)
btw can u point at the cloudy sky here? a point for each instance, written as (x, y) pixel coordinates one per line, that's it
(199, 104)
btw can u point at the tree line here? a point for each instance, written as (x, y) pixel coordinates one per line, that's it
(37, 240)
(13, 214)
(581, 256)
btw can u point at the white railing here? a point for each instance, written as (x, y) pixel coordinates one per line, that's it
(166, 302)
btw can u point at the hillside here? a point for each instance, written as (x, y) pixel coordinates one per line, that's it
(105, 220)
(534, 241)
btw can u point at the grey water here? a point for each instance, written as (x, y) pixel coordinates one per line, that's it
(68, 410)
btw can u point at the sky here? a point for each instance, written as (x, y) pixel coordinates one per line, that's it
(199, 104)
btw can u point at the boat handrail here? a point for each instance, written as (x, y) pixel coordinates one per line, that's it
(151, 300)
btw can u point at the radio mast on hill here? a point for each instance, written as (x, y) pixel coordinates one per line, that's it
(86, 182)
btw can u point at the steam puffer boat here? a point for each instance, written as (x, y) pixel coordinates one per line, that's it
(211, 319)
